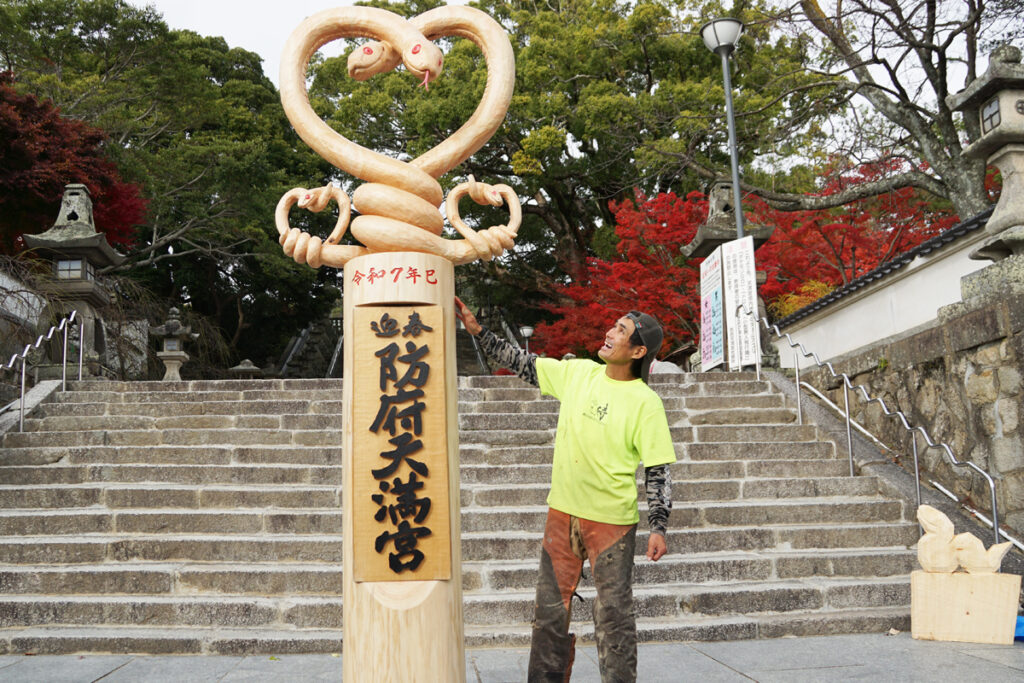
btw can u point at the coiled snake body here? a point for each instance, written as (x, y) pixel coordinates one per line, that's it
(398, 206)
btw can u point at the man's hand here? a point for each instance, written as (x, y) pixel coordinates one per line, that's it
(656, 547)
(463, 313)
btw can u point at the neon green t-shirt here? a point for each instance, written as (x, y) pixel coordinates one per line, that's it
(606, 427)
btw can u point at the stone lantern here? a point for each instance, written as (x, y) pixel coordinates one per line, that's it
(720, 227)
(77, 251)
(998, 97)
(172, 335)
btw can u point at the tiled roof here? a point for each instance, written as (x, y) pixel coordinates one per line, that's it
(890, 266)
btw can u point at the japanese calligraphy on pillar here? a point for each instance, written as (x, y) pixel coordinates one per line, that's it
(400, 460)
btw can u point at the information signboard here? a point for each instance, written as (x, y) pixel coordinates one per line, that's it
(740, 281)
(712, 328)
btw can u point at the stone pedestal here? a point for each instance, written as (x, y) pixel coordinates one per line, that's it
(172, 360)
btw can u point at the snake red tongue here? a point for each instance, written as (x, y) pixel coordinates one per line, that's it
(426, 81)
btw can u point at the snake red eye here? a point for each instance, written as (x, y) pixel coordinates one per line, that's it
(368, 50)
(416, 49)
(439, 61)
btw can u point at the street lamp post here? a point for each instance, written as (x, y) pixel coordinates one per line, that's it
(720, 36)
(527, 332)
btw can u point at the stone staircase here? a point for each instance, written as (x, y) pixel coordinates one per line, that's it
(205, 517)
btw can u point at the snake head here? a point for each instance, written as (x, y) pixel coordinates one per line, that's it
(424, 60)
(372, 58)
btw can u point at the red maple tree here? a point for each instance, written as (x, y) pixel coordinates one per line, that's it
(835, 246)
(648, 275)
(825, 248)
(41, 152)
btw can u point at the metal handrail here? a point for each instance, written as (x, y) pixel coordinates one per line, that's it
(62, 326)
(848, 385)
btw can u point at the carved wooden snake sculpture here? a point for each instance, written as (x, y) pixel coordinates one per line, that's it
(398, 205)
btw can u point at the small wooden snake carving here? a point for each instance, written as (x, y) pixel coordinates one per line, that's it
(399, 204)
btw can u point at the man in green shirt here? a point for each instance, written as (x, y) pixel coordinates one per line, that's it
(609, 421)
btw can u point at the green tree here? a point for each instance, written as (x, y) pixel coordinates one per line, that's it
(200, 127)
(894, 62)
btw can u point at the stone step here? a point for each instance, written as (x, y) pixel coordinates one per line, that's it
(287, 509)
(257, 474)
(172, 639)
(156, 578)
(718, 388)
(485, 545)
(508, 437)
(720, 462)
(296, 520)
(126, 422)
(266, 641)
(173, 474)
(657, 380)
(213, 395)
(163, 495)
(681, 600)
(529, 484)
(172, 455)
(703, 628)
(761, 450)
(737, 416)
(678, 403)
(705, 403)
(476, 546)
(174, 437)
(94, 549)
(498, 502)
(153, 610)
(194, 386)
(184, 408)
(699, 568)
(543, 406)
(513, 422)
(829, 467)
(744, 433)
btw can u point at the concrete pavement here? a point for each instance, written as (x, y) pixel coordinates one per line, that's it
(873, 657)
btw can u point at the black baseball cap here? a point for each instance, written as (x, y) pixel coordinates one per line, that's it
(651, 334)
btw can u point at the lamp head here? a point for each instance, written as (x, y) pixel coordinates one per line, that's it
(721, 35)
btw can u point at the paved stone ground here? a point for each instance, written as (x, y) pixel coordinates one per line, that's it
(867, 657)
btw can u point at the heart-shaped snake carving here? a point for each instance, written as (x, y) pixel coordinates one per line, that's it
(399, 203)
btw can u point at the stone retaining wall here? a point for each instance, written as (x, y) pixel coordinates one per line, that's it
(960, 378)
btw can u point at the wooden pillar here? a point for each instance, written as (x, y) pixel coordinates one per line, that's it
(402, 566)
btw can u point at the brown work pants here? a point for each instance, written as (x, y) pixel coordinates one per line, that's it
(609, 548)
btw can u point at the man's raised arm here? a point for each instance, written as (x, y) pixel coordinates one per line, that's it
(502, 352)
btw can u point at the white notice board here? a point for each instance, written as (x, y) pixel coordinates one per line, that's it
(712, 327)
(740, 289)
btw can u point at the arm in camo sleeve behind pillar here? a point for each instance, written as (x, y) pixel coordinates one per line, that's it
(510, 356)
(658, 482)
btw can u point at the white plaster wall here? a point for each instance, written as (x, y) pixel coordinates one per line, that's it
(907, 298)
(17, 301)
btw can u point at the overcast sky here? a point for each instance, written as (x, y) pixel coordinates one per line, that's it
(260, 26)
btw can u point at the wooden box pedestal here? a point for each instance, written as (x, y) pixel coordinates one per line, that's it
(969, 608)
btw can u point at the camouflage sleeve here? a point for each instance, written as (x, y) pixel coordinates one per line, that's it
(658, 482)
(510, 356)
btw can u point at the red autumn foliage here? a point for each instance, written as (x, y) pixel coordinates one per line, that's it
(648, 275)
(829, 246)
(837, 245)
(40, 153)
